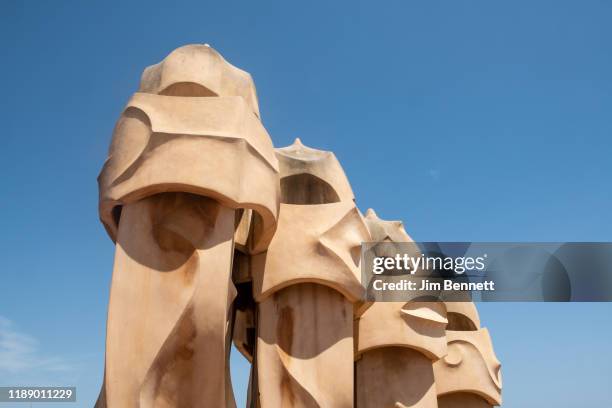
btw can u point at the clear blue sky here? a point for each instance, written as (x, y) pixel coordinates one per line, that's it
(469, 120)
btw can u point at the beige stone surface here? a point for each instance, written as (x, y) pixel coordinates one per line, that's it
(305, 348)
(470, 366)
(462, 316)
(220, 238)
(311, 176)
(320, 229)
(397, 342)
(469, 375)
(416, 325)
(244, 320)
(385, 230)
(244, 329)
(394, 377)
(210, 146)
(306, 285)
(170, 304)
(190, 168)
(313, 243)
(199, 70)
(462, 400)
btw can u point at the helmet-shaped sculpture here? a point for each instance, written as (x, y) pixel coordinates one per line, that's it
(306, 285)
(470, 374)
(397, 341)
(189, 158)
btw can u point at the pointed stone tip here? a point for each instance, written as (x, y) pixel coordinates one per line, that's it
(371, 213)
(298, 142)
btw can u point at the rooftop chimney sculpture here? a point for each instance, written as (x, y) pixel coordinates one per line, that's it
(220, 237)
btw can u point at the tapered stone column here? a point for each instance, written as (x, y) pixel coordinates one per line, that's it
(170, 304)
(306, 286)
(398, 342)
(469, 376)
(191, 178)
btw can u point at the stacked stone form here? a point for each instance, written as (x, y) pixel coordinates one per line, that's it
(220, 237)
